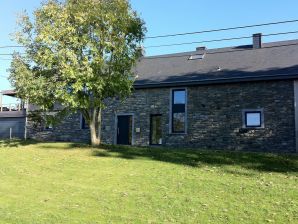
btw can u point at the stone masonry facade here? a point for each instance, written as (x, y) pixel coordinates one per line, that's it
(214, 118)
(68, 130)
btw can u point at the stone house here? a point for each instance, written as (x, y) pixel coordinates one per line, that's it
(236, 98)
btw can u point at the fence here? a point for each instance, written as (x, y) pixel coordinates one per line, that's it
(12, 107)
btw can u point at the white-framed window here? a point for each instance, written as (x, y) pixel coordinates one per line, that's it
(253, 118)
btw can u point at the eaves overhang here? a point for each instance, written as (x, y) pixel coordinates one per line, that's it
(164, 84)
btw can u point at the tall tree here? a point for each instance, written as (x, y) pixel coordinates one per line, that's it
(78, 53)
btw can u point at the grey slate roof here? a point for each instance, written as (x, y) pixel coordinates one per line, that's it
(276, 60)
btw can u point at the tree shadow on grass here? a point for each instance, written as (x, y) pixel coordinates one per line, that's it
(63, 145)
(15, 142)
(265, 162)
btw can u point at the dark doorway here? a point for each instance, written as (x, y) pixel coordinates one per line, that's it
(155, 129)
(124, 130)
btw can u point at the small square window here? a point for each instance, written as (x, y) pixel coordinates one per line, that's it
(253, 118)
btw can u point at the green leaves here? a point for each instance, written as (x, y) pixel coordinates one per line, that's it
(78, 53)
(77, 49)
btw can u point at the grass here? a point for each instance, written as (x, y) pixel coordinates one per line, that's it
(72, 183)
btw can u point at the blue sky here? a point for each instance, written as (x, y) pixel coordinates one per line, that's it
(176, 16)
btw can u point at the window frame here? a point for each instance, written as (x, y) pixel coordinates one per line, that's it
(49, 127)
(116, 127)
(244, 118)
(151, 128)
(172, 94)
(83, 123)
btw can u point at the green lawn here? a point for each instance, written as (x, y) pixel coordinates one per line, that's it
(71, 183)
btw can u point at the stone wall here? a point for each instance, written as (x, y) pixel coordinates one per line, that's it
(214, 116)
(68, 130)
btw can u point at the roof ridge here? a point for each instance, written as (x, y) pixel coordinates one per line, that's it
(240, 47)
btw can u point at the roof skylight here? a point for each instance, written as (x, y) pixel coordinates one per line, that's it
(196, 57)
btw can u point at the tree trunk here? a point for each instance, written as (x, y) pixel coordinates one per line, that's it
(95, 126)
(95, 141)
